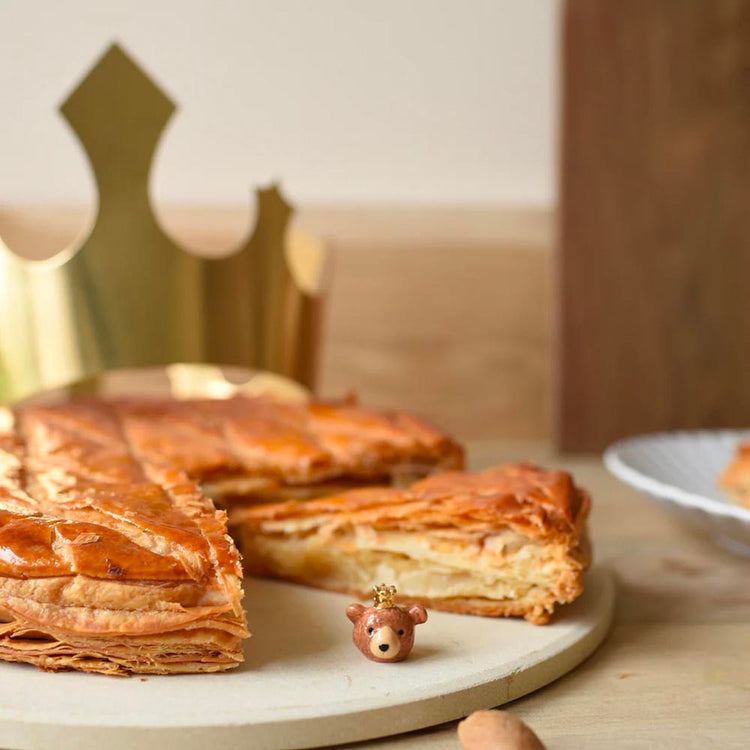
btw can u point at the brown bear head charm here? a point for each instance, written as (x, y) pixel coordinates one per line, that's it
(385, 632)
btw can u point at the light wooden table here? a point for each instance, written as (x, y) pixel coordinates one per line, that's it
(674, 671)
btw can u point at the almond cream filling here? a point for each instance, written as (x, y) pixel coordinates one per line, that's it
(504, 565)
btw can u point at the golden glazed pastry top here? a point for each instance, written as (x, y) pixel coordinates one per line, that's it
(296, 443)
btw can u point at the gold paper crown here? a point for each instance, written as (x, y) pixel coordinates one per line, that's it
(129, 296)
(383, 596)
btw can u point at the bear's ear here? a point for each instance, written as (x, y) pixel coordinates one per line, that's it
(417, 613)
(354, 612)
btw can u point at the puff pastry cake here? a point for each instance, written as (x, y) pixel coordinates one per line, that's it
(508, 541)
(113, 558)
(736, 477)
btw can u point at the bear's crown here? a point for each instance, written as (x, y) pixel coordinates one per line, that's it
(383, 596)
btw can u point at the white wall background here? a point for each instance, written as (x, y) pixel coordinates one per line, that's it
(346, 100)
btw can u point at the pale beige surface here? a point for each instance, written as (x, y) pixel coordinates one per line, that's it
(675, 669)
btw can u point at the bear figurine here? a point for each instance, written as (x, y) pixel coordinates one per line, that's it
(385, 631)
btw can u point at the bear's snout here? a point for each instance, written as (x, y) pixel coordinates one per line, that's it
(385, 643)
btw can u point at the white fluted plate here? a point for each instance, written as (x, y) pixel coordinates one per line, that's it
(680, 470)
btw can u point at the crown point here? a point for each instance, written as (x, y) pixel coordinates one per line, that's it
(117, 106)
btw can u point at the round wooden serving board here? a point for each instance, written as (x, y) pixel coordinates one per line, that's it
(303, 683)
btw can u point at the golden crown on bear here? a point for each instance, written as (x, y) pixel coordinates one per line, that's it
(383, 596)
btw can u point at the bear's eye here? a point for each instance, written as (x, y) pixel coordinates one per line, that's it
(400, 632)
(370, 630)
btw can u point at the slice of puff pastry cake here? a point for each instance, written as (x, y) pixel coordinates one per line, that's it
(108, 564)
(508, 541)
(735, 479)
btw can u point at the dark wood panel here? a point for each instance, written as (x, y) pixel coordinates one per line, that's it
(655, 218)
